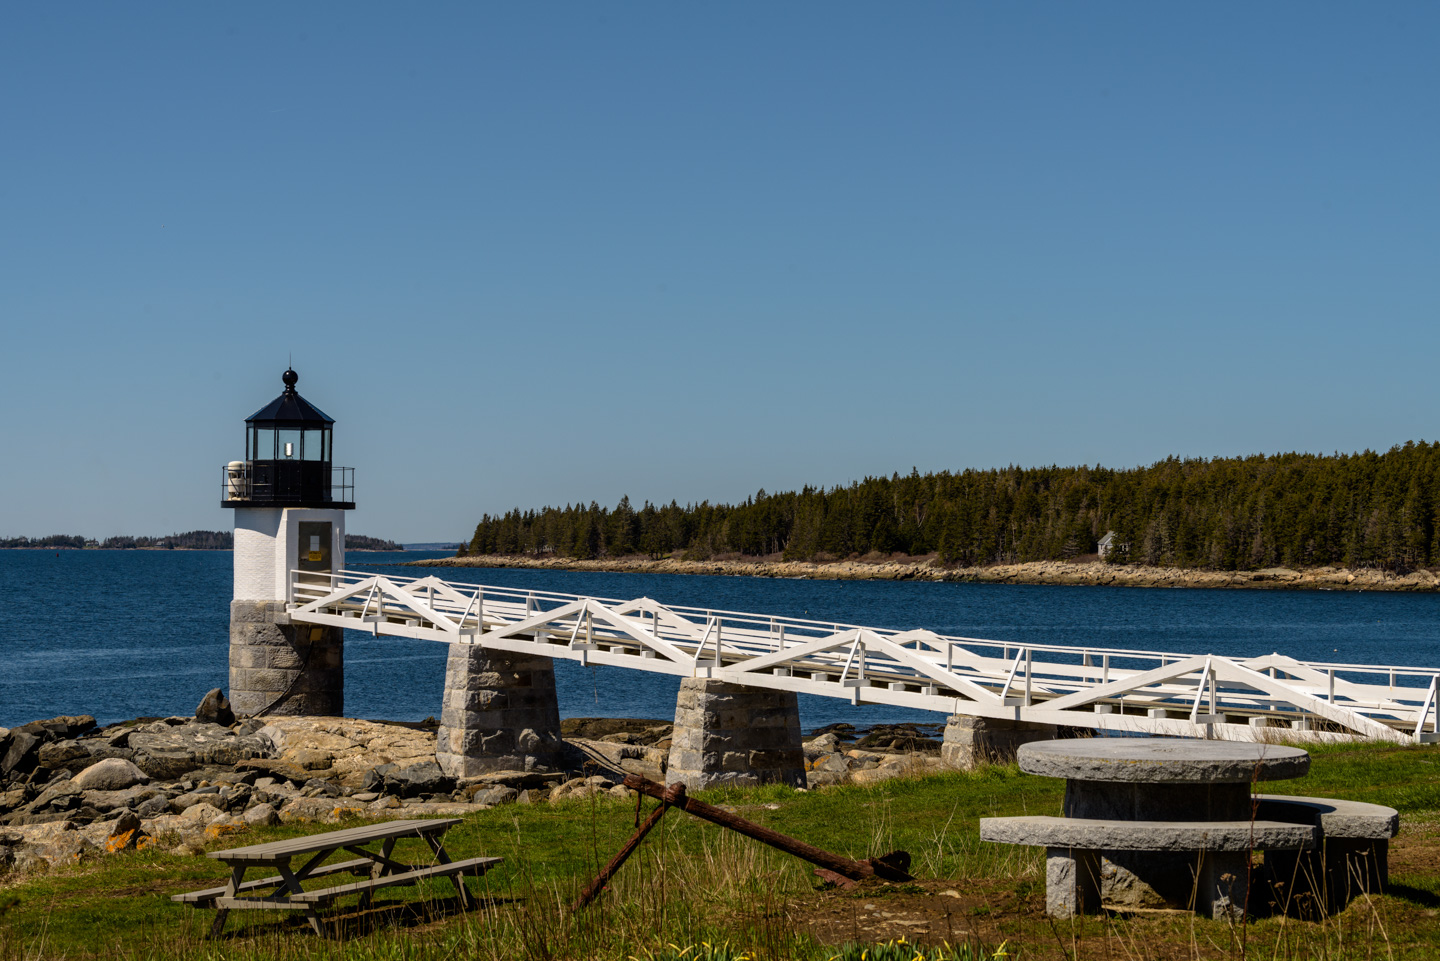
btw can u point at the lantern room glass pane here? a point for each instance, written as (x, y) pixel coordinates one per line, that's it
(262, 444)
(289, 444)
(314, 444)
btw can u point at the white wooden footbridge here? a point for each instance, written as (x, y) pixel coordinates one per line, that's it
(1109, 689)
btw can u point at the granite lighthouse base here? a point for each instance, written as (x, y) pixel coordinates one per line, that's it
(279, 669)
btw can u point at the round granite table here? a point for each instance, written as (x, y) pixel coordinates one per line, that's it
(1159, 780)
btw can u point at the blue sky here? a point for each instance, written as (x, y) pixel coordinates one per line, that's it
(531, 254)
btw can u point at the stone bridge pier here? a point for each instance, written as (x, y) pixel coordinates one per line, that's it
(970, 741)
(499, 713)
(732, 734)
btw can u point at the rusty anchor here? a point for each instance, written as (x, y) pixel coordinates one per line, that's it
(831, 867)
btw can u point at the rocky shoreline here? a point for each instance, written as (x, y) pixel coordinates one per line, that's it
(1093, 574)
(71, 789)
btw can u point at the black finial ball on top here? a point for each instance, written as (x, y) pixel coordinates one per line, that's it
(290, 378)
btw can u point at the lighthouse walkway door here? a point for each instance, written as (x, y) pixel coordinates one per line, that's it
(315, 561)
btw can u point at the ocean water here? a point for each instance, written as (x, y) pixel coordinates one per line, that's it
(122, 634)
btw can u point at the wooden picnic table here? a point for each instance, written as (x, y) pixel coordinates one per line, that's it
(287, 890)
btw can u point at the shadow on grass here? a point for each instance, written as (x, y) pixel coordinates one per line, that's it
(1416, 896)
(348, 924)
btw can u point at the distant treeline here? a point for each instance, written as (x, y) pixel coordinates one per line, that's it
(1241, 513)
(190, 540)
(359, 542)
(54, 541)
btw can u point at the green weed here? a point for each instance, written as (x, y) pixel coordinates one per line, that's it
(902, 950)
(693, 884)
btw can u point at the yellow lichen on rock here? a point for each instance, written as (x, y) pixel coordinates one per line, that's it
(120, 842)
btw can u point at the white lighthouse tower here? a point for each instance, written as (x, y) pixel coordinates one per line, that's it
(290, 503)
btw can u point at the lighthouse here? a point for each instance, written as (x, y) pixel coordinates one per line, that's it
(290, 502)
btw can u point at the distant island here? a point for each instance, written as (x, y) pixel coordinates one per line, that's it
(188, 541)
(1364, 512)
(359, 542)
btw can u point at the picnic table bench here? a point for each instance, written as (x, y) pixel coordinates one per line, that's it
(1352, 857)
(286, 890)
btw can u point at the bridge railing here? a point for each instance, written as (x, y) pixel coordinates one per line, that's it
(887, 664)
(1088, 660)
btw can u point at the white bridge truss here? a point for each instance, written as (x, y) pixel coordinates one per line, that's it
(1107, 689)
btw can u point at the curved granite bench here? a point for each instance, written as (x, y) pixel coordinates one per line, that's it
(1353, 858)
(1073, 846)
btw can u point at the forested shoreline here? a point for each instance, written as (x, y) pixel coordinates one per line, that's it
(1358, 511)
(188, 541)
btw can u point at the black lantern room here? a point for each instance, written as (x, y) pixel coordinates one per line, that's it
(288, 458)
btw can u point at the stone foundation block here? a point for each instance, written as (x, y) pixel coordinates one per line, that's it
(981, 740)
(288, 659)
(282, 669)
(499, 713)
(731, 734)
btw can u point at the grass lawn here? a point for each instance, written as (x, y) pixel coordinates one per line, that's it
(698, 890)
